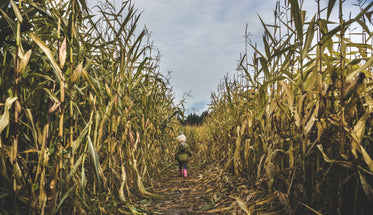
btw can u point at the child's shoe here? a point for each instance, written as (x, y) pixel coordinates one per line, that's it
(180, 173)
(185, 173)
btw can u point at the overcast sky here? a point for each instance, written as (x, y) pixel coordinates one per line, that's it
(200, 41)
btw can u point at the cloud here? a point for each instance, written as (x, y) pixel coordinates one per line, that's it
(200, 40)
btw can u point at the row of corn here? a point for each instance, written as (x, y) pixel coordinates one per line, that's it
(86, 116)
(298, 118)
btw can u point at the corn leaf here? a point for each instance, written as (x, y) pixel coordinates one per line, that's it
(84, 178)
(242, 205)
(11, 22)
(48, 52)
(95, 159)
(366, 187)
(67, 194)
(4, 118)
(76, 143)
(296, 14)
(309, 37)
(351, 76)
(16, 10)
(62, 53)
(331, 4)
(75, 167)
(312, 119)
(24, 61)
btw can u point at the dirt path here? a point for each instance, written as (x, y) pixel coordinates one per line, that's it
(206, 190)
(181, 195)
(211, 190)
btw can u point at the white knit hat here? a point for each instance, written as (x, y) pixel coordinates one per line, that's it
(181, 138)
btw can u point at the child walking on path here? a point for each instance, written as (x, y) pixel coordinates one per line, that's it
(182, 154)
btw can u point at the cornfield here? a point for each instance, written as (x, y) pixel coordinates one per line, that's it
(87, 118)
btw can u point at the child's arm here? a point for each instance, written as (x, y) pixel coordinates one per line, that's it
(189, 151)
(177, 152)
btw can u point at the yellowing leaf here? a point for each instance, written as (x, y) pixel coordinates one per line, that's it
(351, 76)
(242, 205)
(367, 158)
(57, 70)
(77, 72)
(311, 121)
(4, 119)
(92, 151)
(24, 61)
(16, 11)
(366, 187)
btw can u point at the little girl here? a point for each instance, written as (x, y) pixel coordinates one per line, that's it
(182, 154)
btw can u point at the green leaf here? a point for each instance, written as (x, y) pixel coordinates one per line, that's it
(75, 167)
(76, 143)
(67, 194)
(296, 14)
(51, 95)
(247, 72)
(11, 22)
(309, 37)
(264, 65)
(95, 159)
(331, 4)
(34, 131)
(266, 47)
(366, 65)
(266, 30)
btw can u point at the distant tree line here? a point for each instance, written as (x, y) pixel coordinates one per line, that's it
(194, 119)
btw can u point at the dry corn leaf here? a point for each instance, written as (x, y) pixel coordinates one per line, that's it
(56, 68)
(16, 10)
(4, 118)
(78, 71)
(54, 107)
(366, 187)
(121, 189)
(311, 209)
(311, 121)
(217, 210)
(242, 205)
(351, 76)
(24, 61)
(367, 158)
(62, 53)
(356, 138)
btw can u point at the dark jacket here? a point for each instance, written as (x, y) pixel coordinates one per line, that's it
(183, 152)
